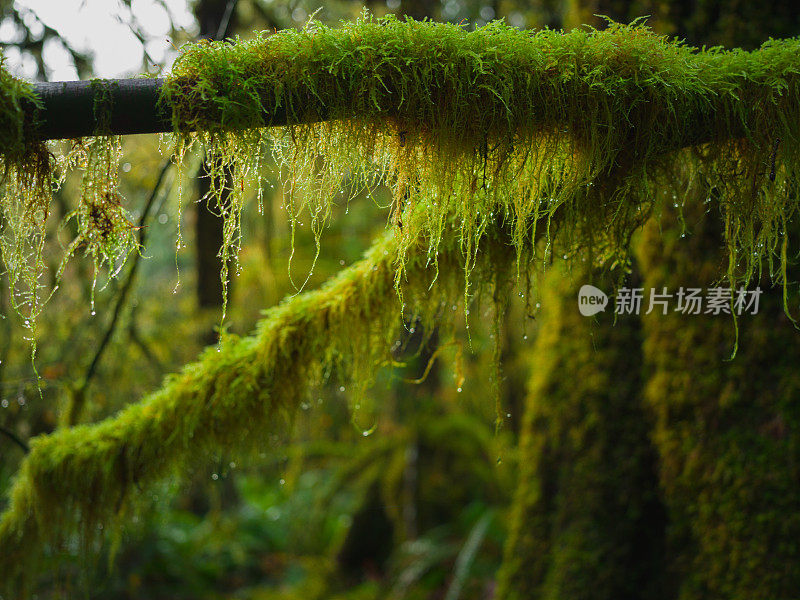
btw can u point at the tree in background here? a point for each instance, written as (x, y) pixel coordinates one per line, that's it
(718, 425)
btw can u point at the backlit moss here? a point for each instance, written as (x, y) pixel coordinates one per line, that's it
(490, 133)
(505, 126)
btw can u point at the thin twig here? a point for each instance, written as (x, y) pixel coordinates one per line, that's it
(79, 394)
(13, 437)
(123, 295)
(222, 30)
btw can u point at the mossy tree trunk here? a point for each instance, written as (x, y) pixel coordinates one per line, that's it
(723, 430)
(726, 430)
(586, 521)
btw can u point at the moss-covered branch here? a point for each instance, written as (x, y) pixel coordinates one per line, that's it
(78, 478)
(493, 124)
(512, 125)
(474, 132)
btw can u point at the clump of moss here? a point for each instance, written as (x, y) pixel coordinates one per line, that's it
(32, 170)
(500, 126)
(494, 127)
(105, 230)
(25, 176)
(14, 127)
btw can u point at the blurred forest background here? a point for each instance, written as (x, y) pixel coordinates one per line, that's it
(624, 461)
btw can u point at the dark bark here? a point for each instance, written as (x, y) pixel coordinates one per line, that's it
(208, 235)
(216, 18)
(71, 109)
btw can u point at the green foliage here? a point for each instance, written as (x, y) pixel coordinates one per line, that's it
(32, 173)
(494, 126)
(235, 394)
(488, 140)
(14, 127)
(25, 169)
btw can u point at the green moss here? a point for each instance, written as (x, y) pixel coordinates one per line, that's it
(494, 126)
(495, 132)
(14, 127)
(726, 431)
(585, 520)
(25, 175)
(32, 171)
(78, 478)
(505, 126)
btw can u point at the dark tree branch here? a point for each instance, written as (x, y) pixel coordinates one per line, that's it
(68, 107)
(14, 438)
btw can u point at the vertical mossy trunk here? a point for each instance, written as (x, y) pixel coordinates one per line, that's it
(727, 431)
(586, 521)
(724, 431)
